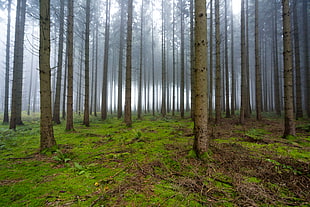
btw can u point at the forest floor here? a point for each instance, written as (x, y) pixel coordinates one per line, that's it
(152, 164)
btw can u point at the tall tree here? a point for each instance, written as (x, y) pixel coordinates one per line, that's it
(288, 71)
(192, 59)
(56, 112)
(87, 32)
(305, 14)
(227, 106)
(201, 99)
(218, 63)
(69, 123)
(17, 84)
(211, 61)
(141, 64)
(104, 107)
(7, 66)
(128, 119)
(299, 113)
(233, 80)
(120, 63)
(243, 66)
(46, 126)
(182, 61)
(258, 84)
(163, 73)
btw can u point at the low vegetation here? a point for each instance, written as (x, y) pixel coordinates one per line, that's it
(152, 164)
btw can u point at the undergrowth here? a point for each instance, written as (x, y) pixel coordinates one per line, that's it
(152, 164)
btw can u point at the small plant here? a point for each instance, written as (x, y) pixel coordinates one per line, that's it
(61, 157)
(256, 134)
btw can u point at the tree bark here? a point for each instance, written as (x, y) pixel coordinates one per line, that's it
(288, 72)
(182, 62)
(258, 82)
(47, 139)
(201, 96)
(69, 121)
(211, 62)
(128, 120)
(243, 66)
(7, 66)
(218, 63)
(227, 109)
(141, 65)
(233, 81)
(56, 113)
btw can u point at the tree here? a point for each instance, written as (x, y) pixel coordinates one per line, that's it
(69, 123)
(128, 119)
(211, 61)
(233, 80)
(56, 113)
(201, 98)
(141, 64)
(182, 62)
(306, 52)
(227, 109)
(243, 66)
(106, 63)
(46, 126)
(7, 66)
(163, 73)
(289, 126)
(258, 84)
(120, 63)
(86, 100)
(17, 84)
(218, 63)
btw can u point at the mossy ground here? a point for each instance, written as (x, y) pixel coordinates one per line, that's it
(152, 164)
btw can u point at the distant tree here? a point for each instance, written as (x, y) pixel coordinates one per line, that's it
(46, 126)
(69, 124)
(299, 113)
(128, 119)
(227, 105)
(288, 72)
(7, 66)
(243, 66)
(104, 107)
(56, 112)
(201, 99)
(87, 33)
(182, 52)
(218, 63)
(258, 82)
(233, 80)
(120, 62)
(141, 63)
(163, 72)
(17, 84)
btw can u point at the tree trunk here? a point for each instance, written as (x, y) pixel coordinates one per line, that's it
(211, 62)
(7, 66)
(201, 99)
(120, 64)
(243, 66)
(17, 84)
(192, 59)
(106, 63)
(47, 139)
(182, 63)
(288, 71)
(233, 81)
(218, 63)
(69, 124)
(163, 81)
(56, 113)
(226, 66)
(86, 100)
(141, 66)
(128, 120)
(258, 82)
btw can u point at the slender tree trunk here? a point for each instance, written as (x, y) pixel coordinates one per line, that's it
(288, 71)
(30, 84)
(141, 65)
(128, 119)
(243, 66)
(106, 63)
(153, 65)
(248, 86)
(86, 100)
(69, 124)
(56, 113)
(201, 99)
(226, 65)
(299, 113)
(211, 62)
(192, 59)
(182, 62)
(233, 81)
(258, 82)
(65, 85)
(47, 139)
(17, 84)
(7, 66)
(96, 70)
(305, 11)
(173, 62)
(163, 84)
(120, 65)
(218, 63)
(276, 63)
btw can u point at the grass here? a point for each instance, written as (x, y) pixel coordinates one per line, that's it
(152, 164)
